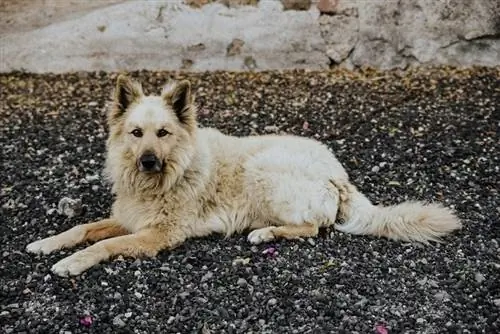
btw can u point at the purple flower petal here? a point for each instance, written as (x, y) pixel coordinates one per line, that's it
(86, 321)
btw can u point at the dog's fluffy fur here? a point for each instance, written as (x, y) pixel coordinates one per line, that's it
(275, 186)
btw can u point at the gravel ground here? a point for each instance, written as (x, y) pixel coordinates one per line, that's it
(422, 134)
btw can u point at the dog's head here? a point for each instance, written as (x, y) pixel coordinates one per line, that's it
(150, 137)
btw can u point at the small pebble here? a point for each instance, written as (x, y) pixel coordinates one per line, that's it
(118, 322)
(207, 276)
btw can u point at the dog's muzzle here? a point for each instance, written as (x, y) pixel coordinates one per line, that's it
(148, 162)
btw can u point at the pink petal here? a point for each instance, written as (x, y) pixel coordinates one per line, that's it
(86, 321)
(305, 126)
(269, 251)
(381, 329)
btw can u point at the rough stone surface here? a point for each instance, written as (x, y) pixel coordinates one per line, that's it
(52, 36)
(161, 35)
(296, 4)
(434, 134)
(340, 33)
(413, 32)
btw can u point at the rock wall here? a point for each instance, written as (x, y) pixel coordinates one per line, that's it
(246, 34)
(399, 33)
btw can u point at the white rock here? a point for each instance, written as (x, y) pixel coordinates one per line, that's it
(272, 302)
(479, 278)
(117, 321)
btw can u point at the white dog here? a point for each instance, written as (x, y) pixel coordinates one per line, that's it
(174, 181)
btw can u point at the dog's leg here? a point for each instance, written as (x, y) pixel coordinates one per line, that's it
(147, 242)
(269, 233)
(105, 228)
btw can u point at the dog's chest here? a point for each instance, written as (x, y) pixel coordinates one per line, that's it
(135, 215)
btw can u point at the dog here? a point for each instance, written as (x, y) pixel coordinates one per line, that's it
(173, 180)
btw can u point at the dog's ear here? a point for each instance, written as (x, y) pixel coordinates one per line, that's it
(126, 92)
(178, 96)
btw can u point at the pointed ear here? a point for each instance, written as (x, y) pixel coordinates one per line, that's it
(126, 92)
(178, 96)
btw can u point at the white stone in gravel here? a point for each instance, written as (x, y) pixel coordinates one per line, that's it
(207, 276)
(184, 294)
(138, 295)
(272, 302)
(242, 282)
(375, 169)
(311, 242)
(51, 211)
(433, 283)
(47, 277)
(420, 321)
(117, 321)
(271, 128)
(497, 302)
(128, 315)
(479, 278)
(170, 320)
(241, 261)
(91, 178)
(442, 296)
(69, 207)
(4, 313)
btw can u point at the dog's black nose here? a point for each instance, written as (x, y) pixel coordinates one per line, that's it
(149, 162)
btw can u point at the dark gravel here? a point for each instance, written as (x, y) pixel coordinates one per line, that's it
(426, 134)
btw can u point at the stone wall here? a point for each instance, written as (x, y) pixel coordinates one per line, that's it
(55, 36)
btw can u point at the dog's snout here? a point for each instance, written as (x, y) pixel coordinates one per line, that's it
(149, 162)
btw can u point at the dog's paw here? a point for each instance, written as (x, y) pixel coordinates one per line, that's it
(261, 235)
(44, 246)
(75, 264)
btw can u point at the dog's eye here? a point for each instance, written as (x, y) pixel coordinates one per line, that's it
(137, 133)
(162, 133)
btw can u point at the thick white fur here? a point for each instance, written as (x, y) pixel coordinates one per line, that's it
(276, 186)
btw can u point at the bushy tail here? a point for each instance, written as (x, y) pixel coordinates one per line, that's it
(408, 221)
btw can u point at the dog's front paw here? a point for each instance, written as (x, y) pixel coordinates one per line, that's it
(261, 235)
(44, 246)
(75, 264)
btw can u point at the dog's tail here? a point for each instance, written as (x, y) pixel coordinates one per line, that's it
(408, 221)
